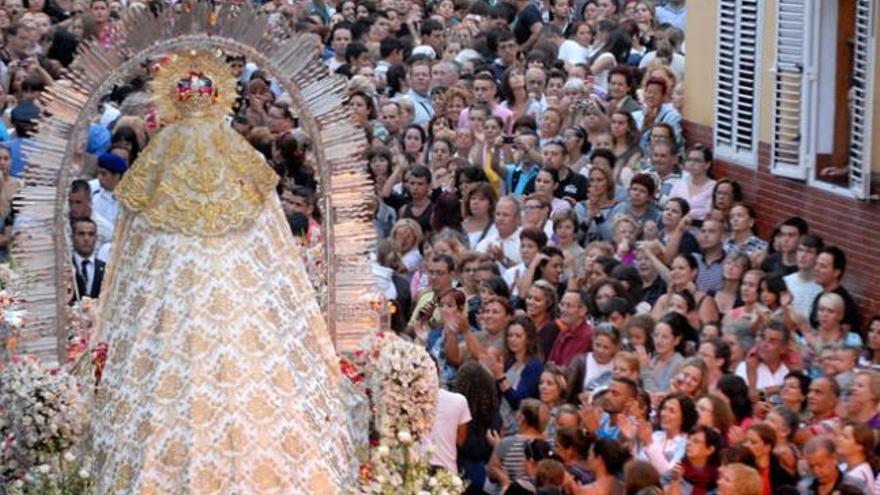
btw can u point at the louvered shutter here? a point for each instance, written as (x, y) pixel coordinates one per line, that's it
(792, 92)
(737, 82)
(862, 104)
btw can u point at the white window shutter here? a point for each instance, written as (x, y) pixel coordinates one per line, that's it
(864, 57)
(737, 83)
(791, 92)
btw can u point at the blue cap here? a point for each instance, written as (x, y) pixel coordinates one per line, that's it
(112, 162)
(26, 111)
(99, 139)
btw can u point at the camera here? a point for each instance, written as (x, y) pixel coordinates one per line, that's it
(507, 139)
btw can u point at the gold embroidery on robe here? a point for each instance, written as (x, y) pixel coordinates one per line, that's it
(197, 195)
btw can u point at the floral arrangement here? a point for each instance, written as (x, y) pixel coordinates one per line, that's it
(406, 395)
(12, 320)
(60, 476)
(42, 413)
(80, 325)
(41, 418)
(401, 382)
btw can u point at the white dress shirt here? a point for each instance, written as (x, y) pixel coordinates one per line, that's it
(90, 271)
(104, 203)
(509, 245)
(105, 230)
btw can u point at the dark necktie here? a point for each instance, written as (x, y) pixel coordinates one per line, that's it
(85, 275)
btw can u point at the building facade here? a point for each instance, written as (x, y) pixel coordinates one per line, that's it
(793, 113)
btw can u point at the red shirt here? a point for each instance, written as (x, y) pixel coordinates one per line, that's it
(765, 482)
(570, 342)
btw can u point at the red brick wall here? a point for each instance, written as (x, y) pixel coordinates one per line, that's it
(851, 224)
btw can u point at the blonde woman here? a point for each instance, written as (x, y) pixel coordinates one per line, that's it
(692, 378)
(407, 238)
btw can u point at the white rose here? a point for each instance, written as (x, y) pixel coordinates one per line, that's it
(456, 482)
(69, 457)
(383, 450)
(83, 474)
(404, 436)
(380, 479)
(423, 492)
(44, 469)
(19, 483)
(432, 482)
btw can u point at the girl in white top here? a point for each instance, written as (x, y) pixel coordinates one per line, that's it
(600, 361)
(577, 49)
(666, 447)
(615, 51)
(407, 238)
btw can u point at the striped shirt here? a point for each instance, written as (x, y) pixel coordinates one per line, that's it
(710, 275)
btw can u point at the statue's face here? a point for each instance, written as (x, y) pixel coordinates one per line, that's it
(195, 84)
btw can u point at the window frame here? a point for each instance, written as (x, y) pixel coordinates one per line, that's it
(729, 145)
(793, 59)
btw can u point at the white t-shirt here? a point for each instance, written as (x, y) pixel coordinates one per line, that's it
(452, 411)
(594, 369)
(766, 378)
(570, 51)
(803, 293)
(412, 260)
(677, 64)
(863, 474)
(602, 77)
(513, 274)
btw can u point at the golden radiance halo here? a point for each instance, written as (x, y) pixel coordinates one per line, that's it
(179, 65)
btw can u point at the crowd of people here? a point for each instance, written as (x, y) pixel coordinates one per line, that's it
(596, 294)
(604, 317)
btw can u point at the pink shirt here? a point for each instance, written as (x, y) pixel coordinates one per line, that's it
(700, 203)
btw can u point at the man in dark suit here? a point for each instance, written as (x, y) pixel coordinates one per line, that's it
(89, 270)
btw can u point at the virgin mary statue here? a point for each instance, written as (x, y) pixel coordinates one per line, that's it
(220, 377)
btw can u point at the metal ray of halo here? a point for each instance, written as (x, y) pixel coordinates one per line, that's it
(41, 248)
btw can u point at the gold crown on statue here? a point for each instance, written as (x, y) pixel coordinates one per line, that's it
(193, 84)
